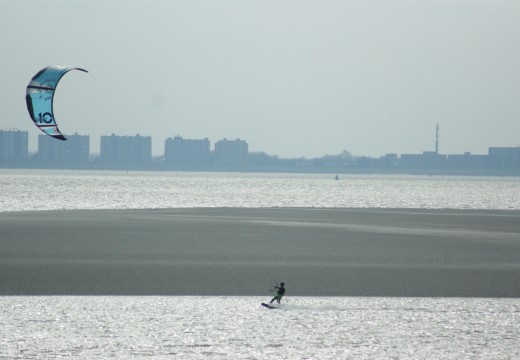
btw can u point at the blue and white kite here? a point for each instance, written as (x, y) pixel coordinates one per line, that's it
(40, 95)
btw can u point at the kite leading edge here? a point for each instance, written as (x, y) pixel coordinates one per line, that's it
(39, 97)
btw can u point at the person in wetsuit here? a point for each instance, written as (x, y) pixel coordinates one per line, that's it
(280, 293)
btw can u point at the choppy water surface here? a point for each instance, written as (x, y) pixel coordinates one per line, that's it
(23, 190)
(238, 328)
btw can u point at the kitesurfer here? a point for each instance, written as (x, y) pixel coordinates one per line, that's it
(280, 293)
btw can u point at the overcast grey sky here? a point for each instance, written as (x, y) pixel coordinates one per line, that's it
(291, 77)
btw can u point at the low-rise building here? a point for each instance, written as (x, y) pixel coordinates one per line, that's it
(467, 161)
(504, 157)
(428, 159)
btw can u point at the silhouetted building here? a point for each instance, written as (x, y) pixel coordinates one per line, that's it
(179, 151)
(467, 161)
(76, 149)
(389, 160)
(14, 145)
(231, 152)
(134, 150)
(428, 159)
(504, 157)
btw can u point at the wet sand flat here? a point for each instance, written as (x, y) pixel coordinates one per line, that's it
(236, 251)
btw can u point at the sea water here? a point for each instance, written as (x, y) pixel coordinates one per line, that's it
(98, 327)
(239, 328)
(22, 190)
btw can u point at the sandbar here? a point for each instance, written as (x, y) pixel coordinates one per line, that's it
(244, 251)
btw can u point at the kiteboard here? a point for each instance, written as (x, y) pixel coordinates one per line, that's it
(268, 306)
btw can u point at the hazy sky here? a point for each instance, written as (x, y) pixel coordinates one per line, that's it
(291, 77)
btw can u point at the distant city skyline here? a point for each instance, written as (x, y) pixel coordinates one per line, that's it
(296, 79)
(233, 155)
(435, 144)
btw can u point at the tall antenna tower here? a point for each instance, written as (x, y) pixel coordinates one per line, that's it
(437, 139)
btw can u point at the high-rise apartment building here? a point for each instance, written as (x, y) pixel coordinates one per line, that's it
(74, 150)
(14, 145)
(179, 151)
(231, 152)
(129, 150)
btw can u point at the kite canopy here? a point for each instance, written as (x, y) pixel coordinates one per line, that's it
(40, 95)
